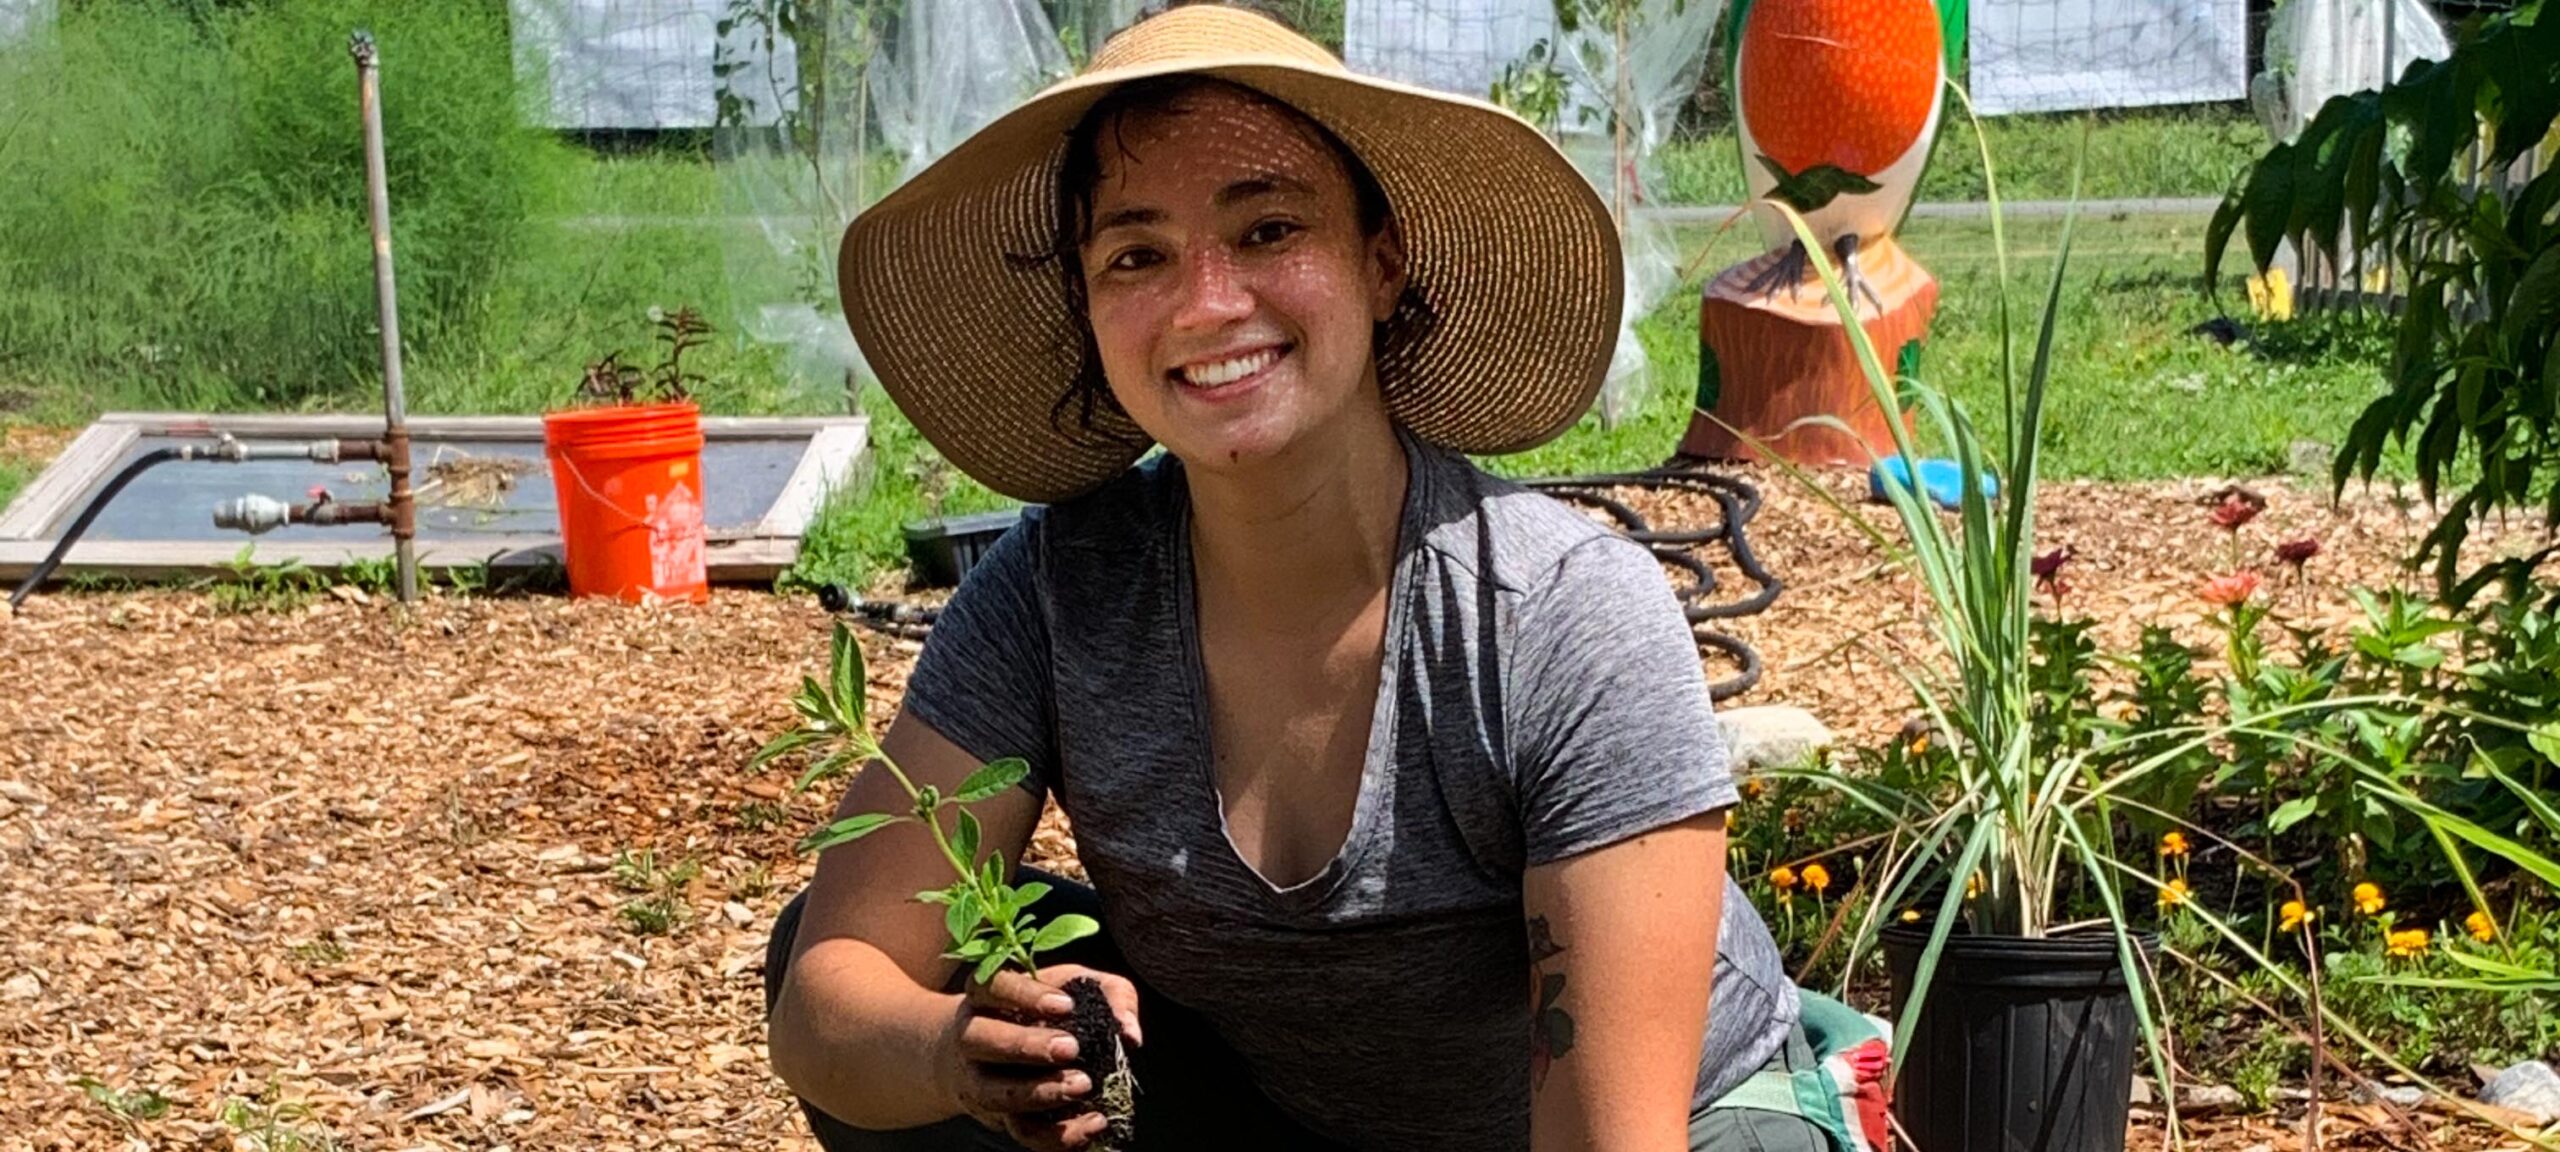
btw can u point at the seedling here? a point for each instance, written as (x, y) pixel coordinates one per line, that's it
(130, 1106)
(276, 1126)
(255, 587)
(758, 815)
(373, 576)
(660, 908)
(321, 952)
(990, 921)
(610, 381)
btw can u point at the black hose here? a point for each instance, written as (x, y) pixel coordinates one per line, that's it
(97, 504)
(1736, 500)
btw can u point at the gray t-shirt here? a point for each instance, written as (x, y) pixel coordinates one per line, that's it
(1542, 696)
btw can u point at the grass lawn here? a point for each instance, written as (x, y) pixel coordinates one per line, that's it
(634, 231)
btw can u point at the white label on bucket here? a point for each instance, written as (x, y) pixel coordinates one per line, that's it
(675, 539)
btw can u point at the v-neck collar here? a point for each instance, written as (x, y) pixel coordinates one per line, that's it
(1375, 766)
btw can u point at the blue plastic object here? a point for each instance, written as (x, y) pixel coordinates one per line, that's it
(1940, 478)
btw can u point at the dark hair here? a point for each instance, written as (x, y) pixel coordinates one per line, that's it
(1081, 171)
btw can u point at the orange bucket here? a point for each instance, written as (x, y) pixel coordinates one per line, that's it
(630, 486)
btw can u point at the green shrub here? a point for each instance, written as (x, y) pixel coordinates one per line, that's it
(182, 194)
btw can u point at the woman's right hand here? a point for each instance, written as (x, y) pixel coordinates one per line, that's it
(1014, 1076)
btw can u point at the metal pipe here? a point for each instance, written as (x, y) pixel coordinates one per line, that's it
(395, 406)
(255, 514)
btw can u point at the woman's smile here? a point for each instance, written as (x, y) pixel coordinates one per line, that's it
(1232, 376)
(1232, 284)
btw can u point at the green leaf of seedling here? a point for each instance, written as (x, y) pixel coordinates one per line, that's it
(2292, 812)
(847, 671)
(847, 830)
(784, 745)
(1029, 894)
(811, 702)
(1064, 930)
(964, 842)
(962, 916)
(832, 764)
(987, 967)
(973, 949)
(991, 779)
(939, 895)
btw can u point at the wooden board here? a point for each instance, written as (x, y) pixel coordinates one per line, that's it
(756, 553)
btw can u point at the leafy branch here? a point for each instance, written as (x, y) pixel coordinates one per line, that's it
(989, 920)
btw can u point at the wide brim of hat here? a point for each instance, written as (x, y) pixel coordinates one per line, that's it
(953, 297)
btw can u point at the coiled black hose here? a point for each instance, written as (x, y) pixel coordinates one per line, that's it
(1736, 501)
(88, 515)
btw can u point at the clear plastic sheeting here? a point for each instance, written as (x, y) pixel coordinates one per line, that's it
(870, 93)
(633, 64)
(2069, 55)
(22, 20)
(950, 66)
(1450, 45)
(1462, 46)
(1666, 51)
(2319, 49)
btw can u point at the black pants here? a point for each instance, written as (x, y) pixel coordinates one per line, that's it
(1193, 1091)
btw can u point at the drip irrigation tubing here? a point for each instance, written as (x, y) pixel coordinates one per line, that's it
(97, 504)
(1678, 547)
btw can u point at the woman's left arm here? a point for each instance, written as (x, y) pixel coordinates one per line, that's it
(1622, 954)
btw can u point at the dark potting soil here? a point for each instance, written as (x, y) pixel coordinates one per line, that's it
(1099, 1056)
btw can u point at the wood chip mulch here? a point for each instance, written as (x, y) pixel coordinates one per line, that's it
(355, 864)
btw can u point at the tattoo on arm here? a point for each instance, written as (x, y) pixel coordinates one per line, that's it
(1550, 1026)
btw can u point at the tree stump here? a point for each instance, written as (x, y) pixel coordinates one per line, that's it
(1765, 364)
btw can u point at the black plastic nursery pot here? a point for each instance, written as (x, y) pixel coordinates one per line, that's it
(942, 550)
(2023, 1044)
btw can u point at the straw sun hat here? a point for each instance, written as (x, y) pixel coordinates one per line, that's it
(1510, 247)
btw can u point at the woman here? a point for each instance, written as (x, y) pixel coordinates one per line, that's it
(1397, 783)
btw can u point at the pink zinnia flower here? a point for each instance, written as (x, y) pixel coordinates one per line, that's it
(2230, 591)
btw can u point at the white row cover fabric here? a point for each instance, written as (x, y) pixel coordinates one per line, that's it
(635, 64)
(1451, 45)
(2069, 55)
(1461, 46)
(2319, 49)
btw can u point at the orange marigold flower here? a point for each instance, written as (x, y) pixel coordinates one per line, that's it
(1973, 886)
(2229, 591)
(2369, 899)
(2483, 929)
(1817, 877)
(2406, 942)
(1782, 878)
(2173, 843)
(1910, 915)
(1752, 788)
(2295, 914)
(2173, 894)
